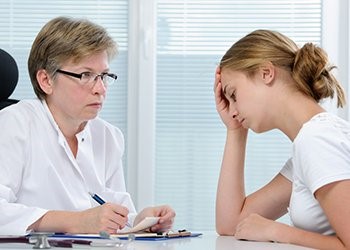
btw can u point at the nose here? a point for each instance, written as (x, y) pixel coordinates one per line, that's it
(99, 86)
(233, 109)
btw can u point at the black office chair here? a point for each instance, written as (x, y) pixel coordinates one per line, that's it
(8, 78)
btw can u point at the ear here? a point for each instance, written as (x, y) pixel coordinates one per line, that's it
(44, 80)
(267, 72)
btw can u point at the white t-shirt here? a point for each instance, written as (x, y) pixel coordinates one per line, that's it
(38, 171)
(321, 155)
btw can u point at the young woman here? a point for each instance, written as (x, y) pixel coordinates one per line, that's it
(266, 82)
(54, 150)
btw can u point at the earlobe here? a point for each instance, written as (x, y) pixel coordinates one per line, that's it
(44, 81)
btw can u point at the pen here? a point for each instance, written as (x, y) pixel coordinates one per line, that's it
(100, 201)
(97, 198)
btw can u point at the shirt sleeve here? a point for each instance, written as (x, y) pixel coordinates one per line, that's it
(323, 157)
(287, 170)
(14, 218)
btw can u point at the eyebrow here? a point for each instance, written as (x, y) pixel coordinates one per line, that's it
(92, 70)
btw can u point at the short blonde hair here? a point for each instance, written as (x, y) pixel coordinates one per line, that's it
(63, 39)
(308, 66)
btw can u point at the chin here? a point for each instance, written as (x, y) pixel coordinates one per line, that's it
(260, 130)
(91, 116)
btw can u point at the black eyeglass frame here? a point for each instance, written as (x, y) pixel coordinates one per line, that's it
(79, 76)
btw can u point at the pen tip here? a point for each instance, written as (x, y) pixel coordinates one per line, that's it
(90, 193)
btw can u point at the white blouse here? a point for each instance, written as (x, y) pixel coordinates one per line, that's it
(38, 171)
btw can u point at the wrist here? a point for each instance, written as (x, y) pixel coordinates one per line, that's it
(280, 233)
(237, 134)
(75, 223)
(58, 221)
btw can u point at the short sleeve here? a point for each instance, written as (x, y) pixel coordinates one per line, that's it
(287, 170)
(323, 156)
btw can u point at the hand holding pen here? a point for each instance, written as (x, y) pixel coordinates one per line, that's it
(100, 201)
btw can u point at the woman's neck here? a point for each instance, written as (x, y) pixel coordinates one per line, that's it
(69, 127)
(298, 109)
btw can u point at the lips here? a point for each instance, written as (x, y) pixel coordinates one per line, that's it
(239, 119)
(95, 104)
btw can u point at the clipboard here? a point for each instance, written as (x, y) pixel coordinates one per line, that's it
(135, 236)
(161, 236)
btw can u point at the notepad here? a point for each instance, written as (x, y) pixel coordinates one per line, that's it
(146, 223)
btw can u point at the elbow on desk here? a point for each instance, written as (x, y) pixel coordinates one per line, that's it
(225, 225)
(224, 230)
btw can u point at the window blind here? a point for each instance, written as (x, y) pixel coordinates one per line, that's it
(21, 20)
(192, 37)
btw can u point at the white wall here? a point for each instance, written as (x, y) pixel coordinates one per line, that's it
(336, 40)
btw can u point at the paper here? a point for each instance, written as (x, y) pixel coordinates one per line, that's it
(144, 224)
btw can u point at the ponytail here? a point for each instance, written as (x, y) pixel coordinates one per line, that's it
(312, 74)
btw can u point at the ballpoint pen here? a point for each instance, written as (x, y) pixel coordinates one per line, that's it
(100, 201)
(97, 198)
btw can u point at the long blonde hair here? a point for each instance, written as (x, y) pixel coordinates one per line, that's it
(308, 66)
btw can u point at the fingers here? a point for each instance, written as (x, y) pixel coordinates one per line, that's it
(118, 209)
(108, 217)
(111, 217)
(218, 93)
(220, 99)
(217, 77)
(119, 215)
(166, 218)
(112, 226)
(166, 214)
(165, 226)
(221, 102)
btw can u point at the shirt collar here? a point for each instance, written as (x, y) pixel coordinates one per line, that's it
(80, 136)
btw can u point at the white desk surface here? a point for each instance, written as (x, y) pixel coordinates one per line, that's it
(208, 241)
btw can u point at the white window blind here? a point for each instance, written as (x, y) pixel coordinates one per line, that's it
(21, 20)
(192, 37)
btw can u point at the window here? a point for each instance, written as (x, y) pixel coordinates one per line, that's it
(21, 20)
(163, 100)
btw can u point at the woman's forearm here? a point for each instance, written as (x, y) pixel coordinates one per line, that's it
(293, 235)
(231, 192)
(57, 221)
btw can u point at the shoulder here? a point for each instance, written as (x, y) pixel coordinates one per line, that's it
(19, 121)
(22, 112)
(322, 130)
(322, 151)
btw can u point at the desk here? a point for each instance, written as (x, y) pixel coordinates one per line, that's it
(208, 241)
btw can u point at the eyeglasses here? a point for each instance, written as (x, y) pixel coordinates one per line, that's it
(89, 78)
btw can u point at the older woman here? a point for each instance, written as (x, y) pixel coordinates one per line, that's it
(54, 150)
